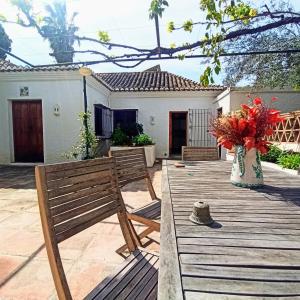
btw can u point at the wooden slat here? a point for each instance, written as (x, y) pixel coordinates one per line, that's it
(81, 195)
(90, 168)
(76, 211)
(242, 287)
(71, 223)
(221, 272)
(56, 184)
(59, 167)
(79, 186)
(169, 281)
(267, 244)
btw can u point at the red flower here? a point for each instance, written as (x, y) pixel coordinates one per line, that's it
(242, 125)
(227, 144)
(249, 142)
(248, 127)
(269, 131)
(257, 101)
(245, 107)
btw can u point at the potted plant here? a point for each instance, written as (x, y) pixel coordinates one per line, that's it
(144, 140)
(121, 140)
(246, 130)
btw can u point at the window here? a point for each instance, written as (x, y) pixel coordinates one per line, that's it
(125, 118)
(103, 121)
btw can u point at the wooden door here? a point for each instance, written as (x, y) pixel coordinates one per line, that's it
(178, 131)
(28, 131)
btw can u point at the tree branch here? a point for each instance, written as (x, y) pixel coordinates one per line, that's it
(144, 54)
(272, 15)
(110, 45)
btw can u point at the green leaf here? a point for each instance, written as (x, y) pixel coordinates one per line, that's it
(103, 36)
(188, 26)
(173, 45)
(181, 56)
(170, 26)
(217, 70)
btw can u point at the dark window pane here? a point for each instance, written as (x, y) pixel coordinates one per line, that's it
(103, 121)
(125, 118)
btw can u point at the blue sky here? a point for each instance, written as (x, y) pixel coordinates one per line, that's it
(126, 21)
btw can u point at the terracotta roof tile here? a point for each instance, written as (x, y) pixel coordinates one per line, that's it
(126, 81)
(151, 81)
(7, 66)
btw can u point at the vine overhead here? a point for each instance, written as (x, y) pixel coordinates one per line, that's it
(225, 22)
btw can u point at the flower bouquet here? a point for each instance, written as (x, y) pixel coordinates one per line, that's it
(247, 130)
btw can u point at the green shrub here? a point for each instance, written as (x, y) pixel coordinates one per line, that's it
(86, 147)
(273, 154)
(290, 161)
(119, 137)
(142, 140)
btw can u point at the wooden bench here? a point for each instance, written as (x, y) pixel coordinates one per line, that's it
(132, 166)
(74, 196)
(199, 153)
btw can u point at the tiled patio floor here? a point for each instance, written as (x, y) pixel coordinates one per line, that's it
(87, 257)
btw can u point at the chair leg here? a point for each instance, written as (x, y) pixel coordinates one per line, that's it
(135, 235)
(140, 237)
(151, 189)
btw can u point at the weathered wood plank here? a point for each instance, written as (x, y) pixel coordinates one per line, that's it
(186, 221)
(254, 243)
(242, 287)
(169, 281)
(212, 296)
(239, 273)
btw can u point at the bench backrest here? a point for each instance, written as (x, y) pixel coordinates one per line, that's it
(131, 165)
(72, 197)
(190, 153)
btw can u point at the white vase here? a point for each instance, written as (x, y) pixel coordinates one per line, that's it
(246, 168)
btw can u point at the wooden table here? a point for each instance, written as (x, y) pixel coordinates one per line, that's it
(253, 249)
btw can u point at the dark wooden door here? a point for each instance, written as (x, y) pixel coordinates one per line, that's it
(178, 131)
(28, 131)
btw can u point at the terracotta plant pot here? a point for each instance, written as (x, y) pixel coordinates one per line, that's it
(246, 168)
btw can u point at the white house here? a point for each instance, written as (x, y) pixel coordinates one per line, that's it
(39, 109)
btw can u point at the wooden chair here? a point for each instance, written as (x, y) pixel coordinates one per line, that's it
(131, 166)
(76, 195)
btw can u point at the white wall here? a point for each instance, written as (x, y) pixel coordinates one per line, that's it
(56, 87)
(231, 99)
(158, 105)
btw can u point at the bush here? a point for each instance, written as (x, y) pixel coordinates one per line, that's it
(119, 138)
(290, 161)
(142, 140)
(273, 154)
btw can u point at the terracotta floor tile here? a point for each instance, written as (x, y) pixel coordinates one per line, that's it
(33, 282)
(8, 264)
(19, 220)
(22, 243)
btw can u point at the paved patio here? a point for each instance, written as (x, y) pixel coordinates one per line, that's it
(87, 257)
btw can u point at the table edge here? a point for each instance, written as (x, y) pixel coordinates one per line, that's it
(169, 279)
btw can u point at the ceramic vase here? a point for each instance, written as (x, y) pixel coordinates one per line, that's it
(246, 168)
